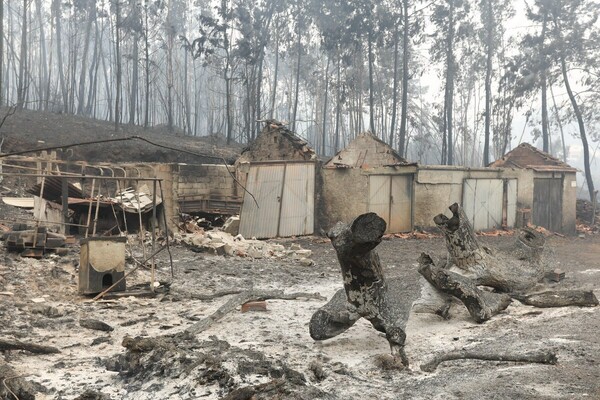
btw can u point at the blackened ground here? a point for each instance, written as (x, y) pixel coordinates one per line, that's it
(28, 129)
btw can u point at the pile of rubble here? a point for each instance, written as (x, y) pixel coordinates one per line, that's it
(34, 241)
(223, 243)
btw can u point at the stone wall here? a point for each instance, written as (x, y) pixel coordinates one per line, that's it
(343, 194)
(207, 180)
(366, 151)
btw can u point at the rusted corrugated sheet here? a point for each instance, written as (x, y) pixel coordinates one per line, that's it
(53, 189)
(265, 182)
(297, 209)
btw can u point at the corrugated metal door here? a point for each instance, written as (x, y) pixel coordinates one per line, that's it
(401, 204)
(379, 196)
(298, 200)
(286, 200)
(265, 182)
(485, 201)
(390, 197)
(547, 203)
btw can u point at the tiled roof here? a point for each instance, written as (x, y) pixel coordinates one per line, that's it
(528, 156)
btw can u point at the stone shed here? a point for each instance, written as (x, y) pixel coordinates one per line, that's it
(547, 188)
(367, 175)
(278, 171)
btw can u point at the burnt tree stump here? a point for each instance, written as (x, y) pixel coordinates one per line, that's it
(470, 264)
(366, 294)
(487, 266)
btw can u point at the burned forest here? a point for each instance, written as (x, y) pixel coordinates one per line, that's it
(276, 199)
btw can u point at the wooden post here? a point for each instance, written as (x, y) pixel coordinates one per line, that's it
(89, 217)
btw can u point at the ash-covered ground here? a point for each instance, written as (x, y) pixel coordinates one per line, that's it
(270, 355)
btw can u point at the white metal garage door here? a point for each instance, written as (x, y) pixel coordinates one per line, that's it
(488, 203)
(285, 195)
(390, 196)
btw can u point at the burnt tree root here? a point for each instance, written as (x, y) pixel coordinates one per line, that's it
(469, 265)
(517, 271)
(367, 293)
(482, 305)
(543, 357)
(333, 318)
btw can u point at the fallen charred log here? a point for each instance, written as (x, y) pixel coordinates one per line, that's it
(6, 344)
(482, 305)
(555, 298)
(541, 357)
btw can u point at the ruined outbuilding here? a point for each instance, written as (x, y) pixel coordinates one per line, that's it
(368, 175)
(547, 192)
(278, 172)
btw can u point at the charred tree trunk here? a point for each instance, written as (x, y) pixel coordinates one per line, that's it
(368, 293)
(484, 265)
(470, 264)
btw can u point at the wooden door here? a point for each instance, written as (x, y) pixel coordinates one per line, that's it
(547, 203)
